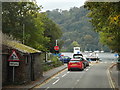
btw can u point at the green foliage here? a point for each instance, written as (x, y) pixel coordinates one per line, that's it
(75, 44)
(52, 31)
(76, 27)
(105, 19)
(24, 22)
(54, 63)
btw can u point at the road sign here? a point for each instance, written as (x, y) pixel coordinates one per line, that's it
(13, 56)
(56, 48)
(13, 63)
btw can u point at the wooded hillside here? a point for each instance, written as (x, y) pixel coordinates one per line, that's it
(77, 30)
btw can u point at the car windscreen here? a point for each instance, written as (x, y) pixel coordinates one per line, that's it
(74, 61)
(65, 57)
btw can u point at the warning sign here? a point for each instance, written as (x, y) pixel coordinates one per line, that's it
(13, 57)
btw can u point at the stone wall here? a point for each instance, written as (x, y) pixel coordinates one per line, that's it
(29, 69)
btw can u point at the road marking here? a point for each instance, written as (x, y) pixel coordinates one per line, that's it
(111, 83)
(64, 75)
(87, 69)
(56, 81)
(48, 80)
(47, 88)
(78, 80)
(68, 72)
(55, 77)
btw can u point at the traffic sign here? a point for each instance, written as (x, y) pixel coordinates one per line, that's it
(13, 56)
(13, 63)
(56, 48)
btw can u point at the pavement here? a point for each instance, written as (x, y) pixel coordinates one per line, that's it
(46, 75)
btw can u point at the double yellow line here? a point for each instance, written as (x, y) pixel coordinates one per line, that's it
(111, 83)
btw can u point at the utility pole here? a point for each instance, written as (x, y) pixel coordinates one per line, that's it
(23, 33)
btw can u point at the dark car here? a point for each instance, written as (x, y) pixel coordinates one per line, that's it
(77, 55)
(65, 59)
(85, 61)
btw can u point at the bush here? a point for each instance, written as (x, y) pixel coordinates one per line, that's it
(52, 64)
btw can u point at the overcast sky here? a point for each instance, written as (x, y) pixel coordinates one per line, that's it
(59, 4)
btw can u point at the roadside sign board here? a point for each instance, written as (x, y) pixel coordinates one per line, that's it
(13, 63)
(56, 48)
(13, 57)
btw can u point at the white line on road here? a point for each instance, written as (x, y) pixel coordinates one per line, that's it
(87, 69)
(68, 72)
(64, 75)
(78, 80)
(55, 77)
(56, 81)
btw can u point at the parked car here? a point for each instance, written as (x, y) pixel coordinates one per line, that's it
(76, 64)
(65, 59)
(92, 59)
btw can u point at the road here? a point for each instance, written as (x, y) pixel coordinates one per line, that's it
(94, 76)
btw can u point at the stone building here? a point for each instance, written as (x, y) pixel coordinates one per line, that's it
(30, 63)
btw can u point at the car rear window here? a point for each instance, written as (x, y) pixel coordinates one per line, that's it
(74, 61)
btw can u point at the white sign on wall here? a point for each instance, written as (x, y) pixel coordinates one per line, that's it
(13, 63)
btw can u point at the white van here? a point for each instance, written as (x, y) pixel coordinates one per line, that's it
(76, 50)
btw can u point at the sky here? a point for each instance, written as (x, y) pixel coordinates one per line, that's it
(59, 4)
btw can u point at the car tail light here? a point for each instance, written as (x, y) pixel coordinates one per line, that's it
(70, 63)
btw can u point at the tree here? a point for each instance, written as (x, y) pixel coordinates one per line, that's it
(105, 19)
(75, 26)
(52, 31)
(24, 21)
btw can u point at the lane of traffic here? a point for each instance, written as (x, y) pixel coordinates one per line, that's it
(65, 79)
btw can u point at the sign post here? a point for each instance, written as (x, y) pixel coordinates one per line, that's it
(56, 42)
(13, 74)
(14, 61)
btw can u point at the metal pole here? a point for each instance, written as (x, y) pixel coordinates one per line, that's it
(23, 33)
(13, 74)
(56, 42)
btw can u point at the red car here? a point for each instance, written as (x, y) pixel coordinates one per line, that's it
(75, 64)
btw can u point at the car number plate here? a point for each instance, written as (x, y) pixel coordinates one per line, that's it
(74, 64)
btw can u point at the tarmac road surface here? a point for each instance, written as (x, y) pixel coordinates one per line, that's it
(94, 76)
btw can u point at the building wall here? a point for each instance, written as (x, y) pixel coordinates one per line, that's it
(38, 69)
(29, 69)
(5, 70)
